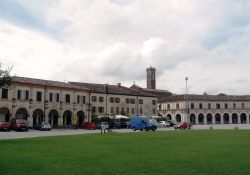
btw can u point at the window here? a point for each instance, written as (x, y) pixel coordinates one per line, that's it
(101, 99)
(94, 98)
(22, 94)
(177, 106)
(117, 100)
(168, 106)
(54, 97)
(127, 100)
(122, 111)
(234, 105)
(192, 106)
(101, 109)
(133, 110)
(200, 105)
(93, 109)
(112, 110)
(140, 101)
(38, 96)
(242, 105)
(132, 101)
(80, 99)
(67, 98)
(117, 110)
(127, 110)
(153, 102)
(140, 110)
(217, 106)
(209, 105)
(5, 93)
(111, 100)
(225, 105)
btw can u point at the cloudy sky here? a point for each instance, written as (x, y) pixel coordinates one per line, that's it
(111, 41)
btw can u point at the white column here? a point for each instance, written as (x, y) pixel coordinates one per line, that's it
(222, 119)
(247, 119)
(213, 119)
(205, 120)
(230, 119)
(196, 120)
(239, 121)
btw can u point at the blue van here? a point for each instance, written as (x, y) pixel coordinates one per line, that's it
(143, 123)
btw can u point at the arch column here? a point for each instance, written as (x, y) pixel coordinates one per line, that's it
(247, 118)
(205, 119)
(222, 119)
(196, 120)
(239, 119)
(213, 119)
(230, 119)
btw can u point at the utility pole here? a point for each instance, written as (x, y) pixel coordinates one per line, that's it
(187, 105)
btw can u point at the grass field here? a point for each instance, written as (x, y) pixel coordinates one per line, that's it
(177, 152)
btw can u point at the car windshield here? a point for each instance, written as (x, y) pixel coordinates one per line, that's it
(21, 121)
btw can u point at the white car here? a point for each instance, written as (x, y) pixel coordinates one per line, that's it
(161, 124)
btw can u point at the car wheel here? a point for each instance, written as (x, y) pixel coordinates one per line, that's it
(141, 129)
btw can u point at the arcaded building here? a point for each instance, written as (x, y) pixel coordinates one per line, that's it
(206, 109)
(64, 104)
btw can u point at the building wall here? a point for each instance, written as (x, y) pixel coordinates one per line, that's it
(61, 108)
(239, 110)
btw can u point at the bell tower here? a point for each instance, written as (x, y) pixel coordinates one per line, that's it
(151, 78)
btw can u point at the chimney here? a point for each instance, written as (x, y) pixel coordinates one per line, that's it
(119, 84)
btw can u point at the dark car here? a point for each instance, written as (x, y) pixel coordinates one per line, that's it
(19, 124)
(88, 125)
(184, 125)
(4, 126)
(172, 123)
(120, 125)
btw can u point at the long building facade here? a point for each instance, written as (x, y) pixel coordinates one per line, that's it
(64, 104)
(206, 109)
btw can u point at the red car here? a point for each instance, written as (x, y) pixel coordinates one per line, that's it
(184, 125)
(19, 124)
(88, 125)
(4, 126)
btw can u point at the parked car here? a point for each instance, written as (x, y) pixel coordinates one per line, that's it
(120, 125)
(88, 125)
(19, 124)
(4, 126)
(143, 123)
(44, 126)
(184, 125)
(162, 124)
(172, 123)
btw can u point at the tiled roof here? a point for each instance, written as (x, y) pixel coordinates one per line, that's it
(112, 89)
(160, 94)
(45, 83)
(194, 97)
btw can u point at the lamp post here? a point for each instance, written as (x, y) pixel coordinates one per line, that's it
(187, 106)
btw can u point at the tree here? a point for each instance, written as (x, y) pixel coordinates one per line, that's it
(5, 78)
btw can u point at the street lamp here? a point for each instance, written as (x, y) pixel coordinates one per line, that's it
(187, 106)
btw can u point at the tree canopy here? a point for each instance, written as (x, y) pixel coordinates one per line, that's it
(5, 78)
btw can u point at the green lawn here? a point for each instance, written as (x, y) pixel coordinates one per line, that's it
(176, 152)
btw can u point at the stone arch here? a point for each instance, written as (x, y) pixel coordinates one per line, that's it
(178, 117)
(243, 118)
(217, 118)
(53, 118)
(169, 117)
(209, 118)
(192, 119)
(37, 117)
(80, 117)
(226, 118)
(22, 113)
(201, 119)
(67, 118)
(234, 118)
(5, 114)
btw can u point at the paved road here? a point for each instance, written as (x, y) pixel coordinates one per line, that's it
(58, 132)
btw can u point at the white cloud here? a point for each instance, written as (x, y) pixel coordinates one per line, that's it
(111, 41)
